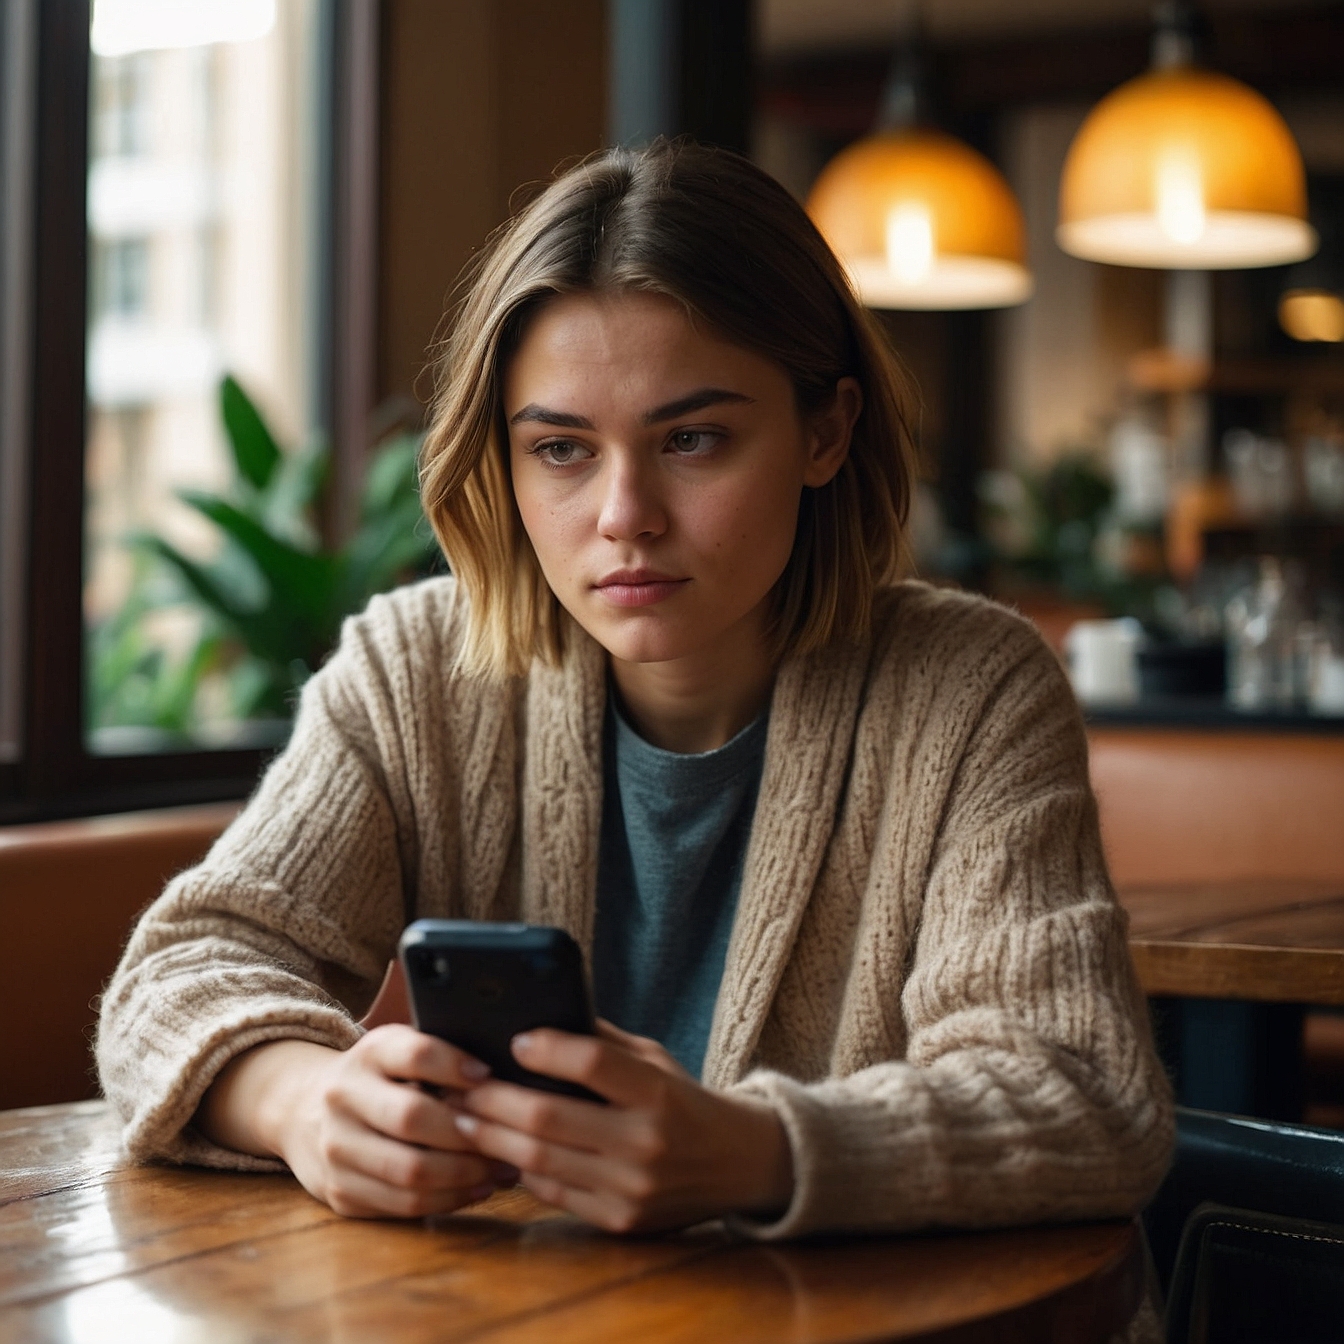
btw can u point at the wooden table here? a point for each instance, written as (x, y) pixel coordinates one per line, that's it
(93, 1251)
(1269, 941)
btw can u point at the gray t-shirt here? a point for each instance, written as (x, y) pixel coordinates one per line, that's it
(674, 837)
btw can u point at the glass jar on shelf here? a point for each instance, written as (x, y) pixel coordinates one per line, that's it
(1325, 685)
(1268, 642)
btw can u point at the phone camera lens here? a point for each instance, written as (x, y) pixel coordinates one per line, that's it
(441, 966)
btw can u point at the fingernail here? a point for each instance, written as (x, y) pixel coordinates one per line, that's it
(468, 1124)
(483, 1191)
(474, 1069)
(524, 1041)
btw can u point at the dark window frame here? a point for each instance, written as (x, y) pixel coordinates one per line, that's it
(54, 775)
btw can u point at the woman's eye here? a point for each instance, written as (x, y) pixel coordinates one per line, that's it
(688, 442)
(560, 453)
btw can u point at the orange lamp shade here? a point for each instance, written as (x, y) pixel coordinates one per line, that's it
(1184, 169)
(921, 220)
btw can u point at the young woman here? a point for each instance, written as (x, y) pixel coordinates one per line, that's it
(827, 837)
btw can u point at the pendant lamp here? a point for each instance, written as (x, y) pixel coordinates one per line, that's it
(1184, 169)
(918, 217)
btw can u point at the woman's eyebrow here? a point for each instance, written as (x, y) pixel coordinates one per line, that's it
(534, 414)
(695, 401)
(541, 415)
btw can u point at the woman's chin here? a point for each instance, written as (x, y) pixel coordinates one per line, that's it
(649, 651)
(646, 639)
(669, 633)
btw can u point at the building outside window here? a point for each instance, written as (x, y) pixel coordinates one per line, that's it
(121, 279)
(205, 166)
(121, 105)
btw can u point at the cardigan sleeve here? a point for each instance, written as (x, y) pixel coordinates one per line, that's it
(1029, 1089)
(282, 932)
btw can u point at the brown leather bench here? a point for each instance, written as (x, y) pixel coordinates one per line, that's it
(1188, 806)
(69, 892)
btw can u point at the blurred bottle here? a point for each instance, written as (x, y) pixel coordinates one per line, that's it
(1268, 643)
(1203, 614)
(1129, 537)
(1139, 466)
(1261, 471)
(1325, 691)
(1323, 473)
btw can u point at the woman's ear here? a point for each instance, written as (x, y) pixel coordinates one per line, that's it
(830, 431)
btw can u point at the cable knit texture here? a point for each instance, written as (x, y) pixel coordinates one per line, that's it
(927, 978)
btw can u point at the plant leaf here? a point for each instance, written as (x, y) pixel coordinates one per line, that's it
(302, 586)
(196, 577)
(292, 493)
(272, 632)
(384, 549)
(392, 474)
(254, 447)
(174, 692)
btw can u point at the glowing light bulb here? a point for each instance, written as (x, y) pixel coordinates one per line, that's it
(1179, 189)
(910, 242)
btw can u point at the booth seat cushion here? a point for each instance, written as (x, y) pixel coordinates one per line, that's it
(69, 892)
(1188, 806)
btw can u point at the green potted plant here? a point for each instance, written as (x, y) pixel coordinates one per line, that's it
(272, 599)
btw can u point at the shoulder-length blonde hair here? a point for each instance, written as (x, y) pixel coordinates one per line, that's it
(708, 229)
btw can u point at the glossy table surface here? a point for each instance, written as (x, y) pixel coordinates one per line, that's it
(95, 1252)
(1268, 940)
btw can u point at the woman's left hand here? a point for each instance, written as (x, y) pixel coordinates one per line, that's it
(664, 1153)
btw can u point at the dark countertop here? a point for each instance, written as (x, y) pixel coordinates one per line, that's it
(1210, 714)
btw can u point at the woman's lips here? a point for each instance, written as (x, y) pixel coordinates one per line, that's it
(638, 590)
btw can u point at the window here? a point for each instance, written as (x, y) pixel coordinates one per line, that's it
(177, 183)
(207, 138)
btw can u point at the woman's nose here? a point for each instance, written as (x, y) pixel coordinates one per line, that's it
(631, 506)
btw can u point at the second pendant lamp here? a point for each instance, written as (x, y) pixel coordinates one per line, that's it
(918, 217)
(1184, 168)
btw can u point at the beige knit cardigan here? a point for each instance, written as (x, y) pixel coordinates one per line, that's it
(927, 977)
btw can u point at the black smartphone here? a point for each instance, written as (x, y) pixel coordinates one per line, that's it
(477, 985)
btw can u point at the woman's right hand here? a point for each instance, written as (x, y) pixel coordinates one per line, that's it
(354, 1125)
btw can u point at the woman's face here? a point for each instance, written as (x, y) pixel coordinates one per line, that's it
(658, 470)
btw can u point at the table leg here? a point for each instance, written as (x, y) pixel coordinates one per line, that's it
(1232, 1055)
